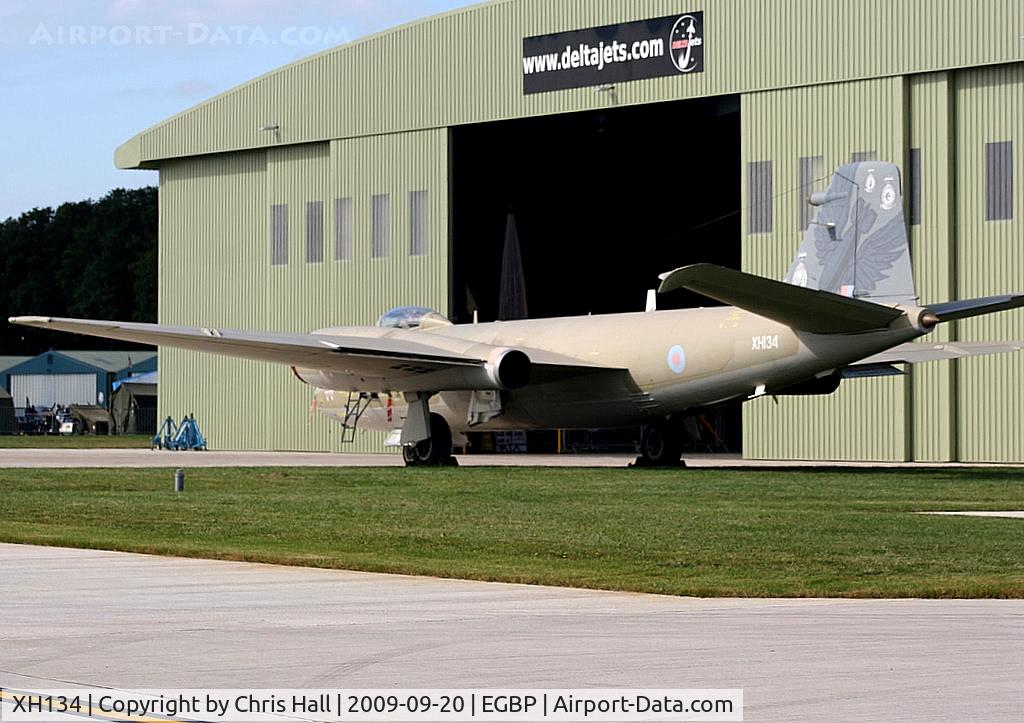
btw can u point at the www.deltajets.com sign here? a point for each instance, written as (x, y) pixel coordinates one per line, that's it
(672, 45)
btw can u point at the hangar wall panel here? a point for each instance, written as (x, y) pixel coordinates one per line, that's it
(215, 270)
(932, 245)
(398, 166)
(868, 418)
(308, 296)
(465, 66)
(943, 411)
(990, 260)
(299, 291)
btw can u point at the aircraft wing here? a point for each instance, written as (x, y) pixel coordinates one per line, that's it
(377, 359)
(916, 353)
(819, 312)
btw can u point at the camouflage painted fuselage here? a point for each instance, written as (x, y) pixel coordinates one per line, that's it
(656, 364)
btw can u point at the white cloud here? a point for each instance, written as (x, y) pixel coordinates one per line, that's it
(192, 88)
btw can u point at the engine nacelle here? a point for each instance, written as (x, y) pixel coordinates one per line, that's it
(508, 368)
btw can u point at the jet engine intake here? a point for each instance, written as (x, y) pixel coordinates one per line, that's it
(508, 368)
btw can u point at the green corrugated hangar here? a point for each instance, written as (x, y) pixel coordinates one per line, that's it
(381, 173)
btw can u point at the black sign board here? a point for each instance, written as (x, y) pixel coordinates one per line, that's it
(672, 45)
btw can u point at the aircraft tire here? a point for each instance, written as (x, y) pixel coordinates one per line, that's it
(660, 446)
(433, 452)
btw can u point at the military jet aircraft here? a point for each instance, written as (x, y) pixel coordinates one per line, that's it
(847, 308)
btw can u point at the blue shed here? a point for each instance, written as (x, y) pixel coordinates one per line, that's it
(6, 364)
(72, 377)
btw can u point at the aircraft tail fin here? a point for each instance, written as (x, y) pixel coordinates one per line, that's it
(857, 244)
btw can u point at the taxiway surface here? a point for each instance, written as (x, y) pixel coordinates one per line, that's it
(135, 621)
(138, 458)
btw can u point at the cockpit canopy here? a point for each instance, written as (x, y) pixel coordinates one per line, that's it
(412, 317)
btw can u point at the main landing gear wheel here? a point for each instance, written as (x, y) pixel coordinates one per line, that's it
(661, 445)
(433, 452)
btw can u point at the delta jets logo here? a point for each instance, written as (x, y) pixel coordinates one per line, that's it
(687, 42)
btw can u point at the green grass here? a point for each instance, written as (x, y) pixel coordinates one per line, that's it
(75, 441)
(749, 532)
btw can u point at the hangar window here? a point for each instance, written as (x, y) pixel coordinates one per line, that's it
(314, 232)
(914, 182)
(999, 181)
(279, 234)
(381, 225)
(863, 156)
(343, 229)
(812, 172)
(759, 191)
(418, 234)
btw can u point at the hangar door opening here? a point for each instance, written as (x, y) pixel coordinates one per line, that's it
(603, 201)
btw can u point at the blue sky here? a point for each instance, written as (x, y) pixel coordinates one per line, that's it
(80, 77)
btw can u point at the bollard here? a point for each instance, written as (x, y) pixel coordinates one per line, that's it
(179, 480)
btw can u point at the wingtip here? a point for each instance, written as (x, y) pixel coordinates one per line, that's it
(29, 320)
(669, 280)
(672, 280)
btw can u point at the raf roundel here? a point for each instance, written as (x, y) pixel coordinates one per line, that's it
(677, 359)
(888, 197)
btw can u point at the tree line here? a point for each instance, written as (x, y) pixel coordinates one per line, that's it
(89, 259)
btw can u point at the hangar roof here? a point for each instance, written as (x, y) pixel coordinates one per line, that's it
(71, 362)
(112, 361)
(7, 362)
(465, 66)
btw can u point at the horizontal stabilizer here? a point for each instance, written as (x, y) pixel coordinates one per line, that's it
(870, 371)
(953, 310)
(916, 353)
(819, 312)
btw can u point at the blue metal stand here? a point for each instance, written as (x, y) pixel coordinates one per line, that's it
(177, 437)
